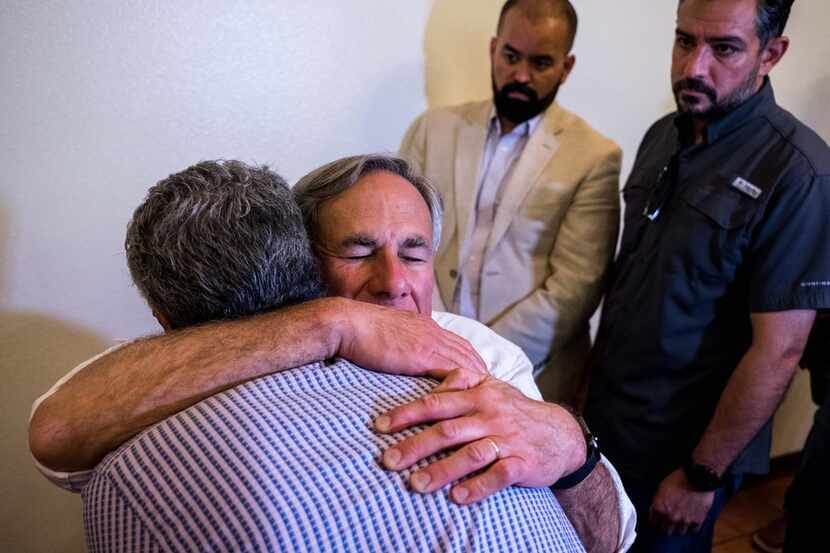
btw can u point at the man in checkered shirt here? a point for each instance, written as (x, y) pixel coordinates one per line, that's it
(286, 462)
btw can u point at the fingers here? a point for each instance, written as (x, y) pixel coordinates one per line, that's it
(470, 458)
(502, 474)
(456, 380)
(428, 408)
(458, 352)
(438, 437)
(664, 523)
(660, 522)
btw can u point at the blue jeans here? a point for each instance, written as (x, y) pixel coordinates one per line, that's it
(650, 541)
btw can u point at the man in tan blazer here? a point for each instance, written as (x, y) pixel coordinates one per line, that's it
(532, 198)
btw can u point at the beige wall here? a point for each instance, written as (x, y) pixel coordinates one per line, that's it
(101, 99)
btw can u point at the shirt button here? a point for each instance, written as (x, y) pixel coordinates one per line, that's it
(453, 273)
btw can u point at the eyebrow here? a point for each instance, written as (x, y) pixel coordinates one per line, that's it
(358, 240)
(731, 39)
(415, 242)
(367, 241)
(512, 50)
(534, 57)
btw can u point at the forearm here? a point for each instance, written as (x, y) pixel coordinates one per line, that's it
(118, 395)
(750, 398)
(592, 507)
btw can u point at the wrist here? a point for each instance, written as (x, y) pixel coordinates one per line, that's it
(585, 458)
(579, 452)
(328, 323)
(701, 476)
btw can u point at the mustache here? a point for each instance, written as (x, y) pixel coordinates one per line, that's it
(695, 85)
(520, 87)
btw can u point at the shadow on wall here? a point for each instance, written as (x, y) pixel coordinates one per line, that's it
(816, 112)
(456, 50)
(35, 350)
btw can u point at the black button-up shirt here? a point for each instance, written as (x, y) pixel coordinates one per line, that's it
(712, 233)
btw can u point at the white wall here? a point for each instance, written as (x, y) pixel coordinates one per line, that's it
(98, 100)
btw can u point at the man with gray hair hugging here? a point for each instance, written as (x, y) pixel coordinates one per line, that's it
(289, 460)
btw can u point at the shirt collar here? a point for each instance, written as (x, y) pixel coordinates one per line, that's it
(757, 105)
(523, 129)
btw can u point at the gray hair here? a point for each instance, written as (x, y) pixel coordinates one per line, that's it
(332, 179)
(220, 240)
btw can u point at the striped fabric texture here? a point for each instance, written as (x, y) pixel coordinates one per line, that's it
(289, 462)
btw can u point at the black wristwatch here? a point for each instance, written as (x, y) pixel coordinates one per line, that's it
(591, 459)
(702, 478)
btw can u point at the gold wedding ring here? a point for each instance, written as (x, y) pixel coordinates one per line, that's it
(495, 447)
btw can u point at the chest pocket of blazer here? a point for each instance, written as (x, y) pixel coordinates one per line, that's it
(533, 224)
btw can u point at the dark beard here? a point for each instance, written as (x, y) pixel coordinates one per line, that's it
(718, 106)
(518, 111)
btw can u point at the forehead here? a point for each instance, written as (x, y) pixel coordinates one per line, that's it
(534, 33)
(718, 18)
(380, 205)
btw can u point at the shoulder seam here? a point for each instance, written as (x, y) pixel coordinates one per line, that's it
(801, 153)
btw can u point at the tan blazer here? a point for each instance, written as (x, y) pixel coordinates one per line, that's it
(553, 236)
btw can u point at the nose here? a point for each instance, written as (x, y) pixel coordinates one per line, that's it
(697, 63)
(388, 280)
(521, 71)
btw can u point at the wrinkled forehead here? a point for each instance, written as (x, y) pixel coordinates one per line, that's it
(382, 207)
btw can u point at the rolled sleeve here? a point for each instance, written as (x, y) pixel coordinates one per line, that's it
(70, 481)
(790, 258)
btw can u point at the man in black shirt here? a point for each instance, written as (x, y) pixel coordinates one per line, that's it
(725, 257)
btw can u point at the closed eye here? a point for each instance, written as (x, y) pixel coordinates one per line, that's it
(412, 259)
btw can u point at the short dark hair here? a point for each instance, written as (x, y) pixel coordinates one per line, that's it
(770, 18)
(561, 8)
(220, 240)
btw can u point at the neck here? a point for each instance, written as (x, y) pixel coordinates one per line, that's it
(698, 131)
(506, 125)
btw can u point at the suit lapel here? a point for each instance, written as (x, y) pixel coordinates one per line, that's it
(471, 138)
(540, 148)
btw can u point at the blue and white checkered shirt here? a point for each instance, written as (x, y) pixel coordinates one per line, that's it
(289, 462)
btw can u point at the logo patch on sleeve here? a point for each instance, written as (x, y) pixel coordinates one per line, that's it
(746, 187)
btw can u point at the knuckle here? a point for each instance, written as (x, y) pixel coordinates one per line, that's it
(506, 473)
(431, 401)
(439, 472)
(492, 393)
(477, 487)
(479, 453)
(447, 430)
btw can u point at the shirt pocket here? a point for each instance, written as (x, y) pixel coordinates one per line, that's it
(712, 232)
(722, 204)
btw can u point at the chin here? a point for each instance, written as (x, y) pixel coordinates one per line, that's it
(694, 109)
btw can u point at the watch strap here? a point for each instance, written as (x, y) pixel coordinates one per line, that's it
(702, 477)
(592, 457)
